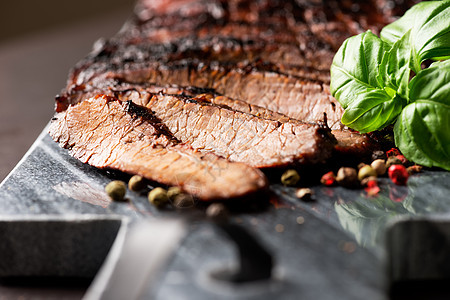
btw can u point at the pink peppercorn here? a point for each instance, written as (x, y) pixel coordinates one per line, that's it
(328, 179)
(398, 174)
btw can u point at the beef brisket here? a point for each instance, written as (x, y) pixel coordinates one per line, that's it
(229, 128)
(108, 133)
(273, 54)
(189, 85)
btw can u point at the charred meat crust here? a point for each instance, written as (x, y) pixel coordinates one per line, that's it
(325, 20)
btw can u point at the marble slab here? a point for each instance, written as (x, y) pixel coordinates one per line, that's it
(56, 220)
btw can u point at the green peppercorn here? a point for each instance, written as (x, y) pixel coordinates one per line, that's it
(158, 197)
(366, 171)
(290, 178)
(347, 177)
(136, 183)
(116, 190)
(173, 192)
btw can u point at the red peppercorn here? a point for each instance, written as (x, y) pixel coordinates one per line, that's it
(392, 152)
(398, 174)
(328, 179)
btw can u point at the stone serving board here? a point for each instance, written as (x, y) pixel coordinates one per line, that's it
(56, 220)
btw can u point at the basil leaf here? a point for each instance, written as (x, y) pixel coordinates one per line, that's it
(431, 32)
(432, 83)
(373, 110)
(394, 31)
(429, 22)
(395, 66)
(422, 129)
(355, 67)
(419, 134)
(359, 86)
(370, 77)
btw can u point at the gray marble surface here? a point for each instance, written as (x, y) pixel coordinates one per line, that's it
(339, 246)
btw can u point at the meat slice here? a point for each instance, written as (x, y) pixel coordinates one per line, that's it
(239, 136)
(299, 98)
(108, 133)
(234, 133)
(348, 143)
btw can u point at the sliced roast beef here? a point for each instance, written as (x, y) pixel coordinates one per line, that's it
(108, 133)
(236, 133)
(239, 136)
(246, 80)
(273, 54)
(348, 143)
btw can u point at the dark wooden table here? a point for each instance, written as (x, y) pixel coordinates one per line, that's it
(33, 69)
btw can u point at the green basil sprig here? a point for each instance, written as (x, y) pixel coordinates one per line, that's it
(370, 77)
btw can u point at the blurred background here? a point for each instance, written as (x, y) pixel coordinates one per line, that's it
(39, 42)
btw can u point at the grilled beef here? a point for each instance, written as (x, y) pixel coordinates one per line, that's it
(231, 129)
(245, 80)
(106, 132)
(273, 54)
